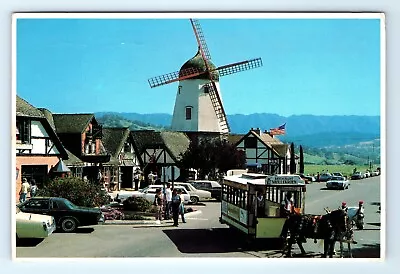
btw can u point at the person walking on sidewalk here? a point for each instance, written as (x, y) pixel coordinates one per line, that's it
(33, 188)
(176, 201)
(168, 200)
(181, 206)
(25, 187)
(158, 204)
(136, 178)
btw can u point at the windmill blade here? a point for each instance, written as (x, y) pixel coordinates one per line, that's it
(174, 77)
(239, 66)
(200, 39)
(218, 107)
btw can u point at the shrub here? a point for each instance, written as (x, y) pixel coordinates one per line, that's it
(135, 217)
(112, 214)
(76, 190)
(136, 204)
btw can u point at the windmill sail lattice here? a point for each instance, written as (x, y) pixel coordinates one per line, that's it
(202, 42)
(219, 110)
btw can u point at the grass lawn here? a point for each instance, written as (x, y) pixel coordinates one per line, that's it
(346, 170)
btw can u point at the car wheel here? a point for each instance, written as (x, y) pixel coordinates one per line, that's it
(68, 224)
(194, 200)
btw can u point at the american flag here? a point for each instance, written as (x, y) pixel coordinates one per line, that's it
(278, 131)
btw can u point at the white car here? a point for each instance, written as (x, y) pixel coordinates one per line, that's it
(29, 225)
(149, 193)
(196, 195)
(337, 182)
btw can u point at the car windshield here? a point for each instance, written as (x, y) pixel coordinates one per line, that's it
(337, 178)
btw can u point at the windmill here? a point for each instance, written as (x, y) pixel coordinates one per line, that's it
(198, 104)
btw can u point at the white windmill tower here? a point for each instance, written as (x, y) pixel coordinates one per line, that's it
(198, 105)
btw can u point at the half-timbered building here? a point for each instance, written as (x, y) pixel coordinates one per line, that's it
(82, 135)
(37, 146)
(119, 171)
(263, 151)
(160, 152)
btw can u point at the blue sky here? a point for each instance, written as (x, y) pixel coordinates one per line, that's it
(311, 66)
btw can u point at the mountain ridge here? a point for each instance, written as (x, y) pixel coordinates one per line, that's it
(295, 124)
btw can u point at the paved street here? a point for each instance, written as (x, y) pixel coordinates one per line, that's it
(204, 236)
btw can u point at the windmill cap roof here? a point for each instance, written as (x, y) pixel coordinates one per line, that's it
(197, 62)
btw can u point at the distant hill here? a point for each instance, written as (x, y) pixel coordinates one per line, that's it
(115, 120)
(296, 125)
(325, 139)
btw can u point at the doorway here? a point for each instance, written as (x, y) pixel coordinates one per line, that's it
(127, 177)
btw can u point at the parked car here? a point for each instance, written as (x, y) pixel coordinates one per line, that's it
(29, 225)
(367, 174)
(337, 182)
(375, 173)
(212, 186)
(338, 174)
(324, 177)
(196, 195)
(307, 178)
(68, 216)
(149, 193)
(357, 176)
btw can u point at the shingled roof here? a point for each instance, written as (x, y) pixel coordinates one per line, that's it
(146, 138)
(73, 160)
(281, 149)
(235, 138)
(49, 116)
(23, 108)
(114, 139)
(174, 142)
(72, 123)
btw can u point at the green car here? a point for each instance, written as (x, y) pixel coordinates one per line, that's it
(68, 216)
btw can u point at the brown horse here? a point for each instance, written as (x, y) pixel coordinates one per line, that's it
(330, 227)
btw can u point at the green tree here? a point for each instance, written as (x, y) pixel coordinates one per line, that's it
(76, 190)
(292, 159)
(301, 160)
(209, 155)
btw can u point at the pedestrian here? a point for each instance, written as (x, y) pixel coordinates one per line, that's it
(136, 178)
(176, 201)
(260, 203)
(24, 190)
(288, 204)
(33, 188)
(141, 178)
(168, 201)
(158, 203)
(181, 206)
(150, 178)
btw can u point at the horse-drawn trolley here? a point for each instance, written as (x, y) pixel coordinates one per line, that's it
(255, 203)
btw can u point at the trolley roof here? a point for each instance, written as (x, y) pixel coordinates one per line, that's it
(263, 179)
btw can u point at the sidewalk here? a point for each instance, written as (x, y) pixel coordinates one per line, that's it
(149, 223)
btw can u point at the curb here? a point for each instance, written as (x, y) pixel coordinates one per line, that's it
(148, 222)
